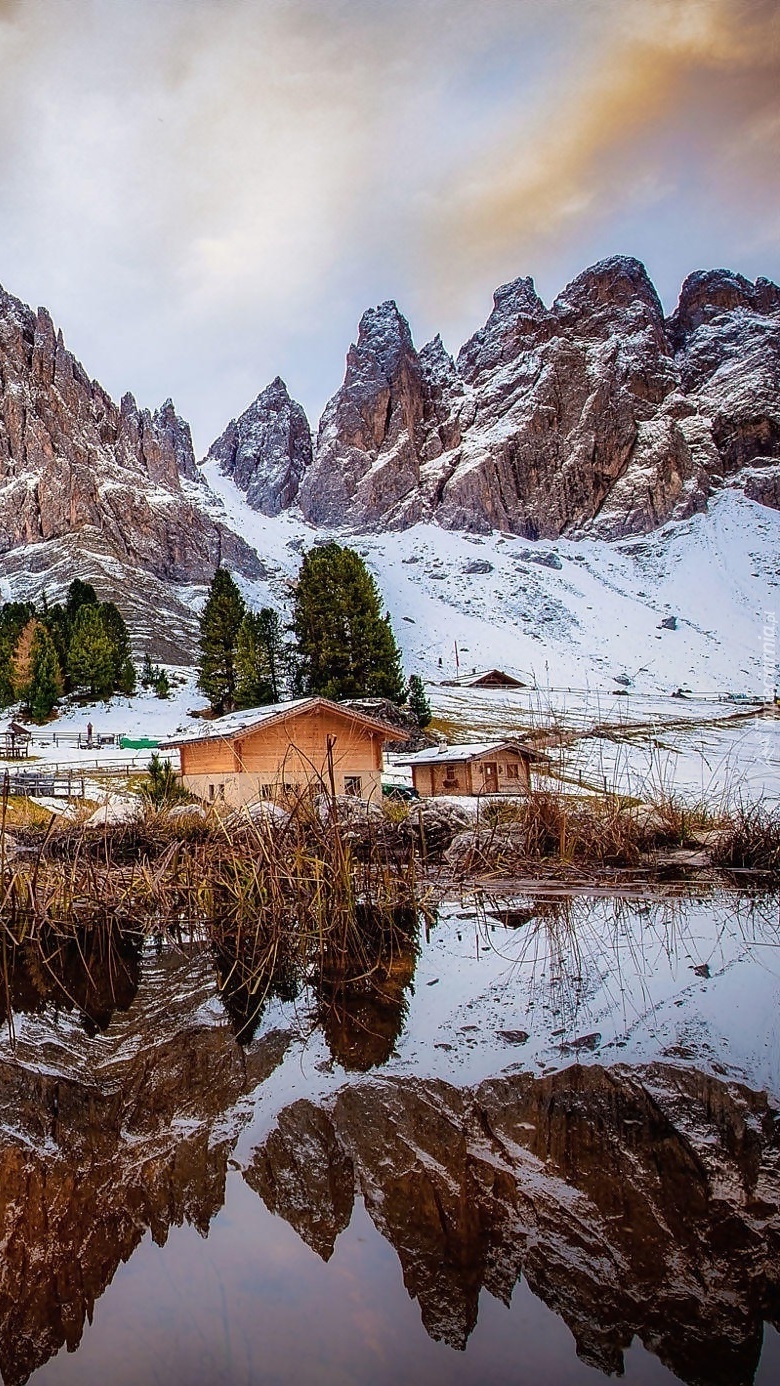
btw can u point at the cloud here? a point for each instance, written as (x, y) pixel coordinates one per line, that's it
(206, 192)
(665, 88)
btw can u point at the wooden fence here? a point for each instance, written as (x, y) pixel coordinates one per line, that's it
(43, 784)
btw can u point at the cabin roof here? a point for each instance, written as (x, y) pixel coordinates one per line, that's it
(474, 750)
(478, 676)
(16, 729)
(236, 724)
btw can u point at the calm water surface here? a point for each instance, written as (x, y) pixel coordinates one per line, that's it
(542, 1145)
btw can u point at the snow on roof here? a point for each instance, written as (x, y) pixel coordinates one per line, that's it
(478, 676)
(233, 724)
(472, 750)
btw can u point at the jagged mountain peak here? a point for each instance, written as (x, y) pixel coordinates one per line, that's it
(177, 438)
(518, 319)
(706, 294)
(554, 419)
(267, 449)
(612, 289)
(81, 474)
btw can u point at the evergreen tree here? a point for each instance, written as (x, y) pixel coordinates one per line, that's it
(276, 650)
(79, 594)
(55, 619)
(45, 680)
(219, 626)
(261, 659)
(124, 676)
(345, 648)
(164, 785)
(91, 654)
(418, 702)
(149, 672)
(253, 675)
(162, 684)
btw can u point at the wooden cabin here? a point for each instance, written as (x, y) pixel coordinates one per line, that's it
(267, 752)
(15, 742)
(486, 678)
(486, 767)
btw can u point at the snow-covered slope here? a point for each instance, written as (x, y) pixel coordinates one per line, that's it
(596, 614)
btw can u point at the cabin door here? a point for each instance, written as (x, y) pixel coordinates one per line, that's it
(491, 777)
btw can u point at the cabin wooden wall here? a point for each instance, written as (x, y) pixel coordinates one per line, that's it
(292, 752)
(468, 777)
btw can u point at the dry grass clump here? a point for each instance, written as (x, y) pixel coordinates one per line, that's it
(266, 895)
(557, 828)
(750, 839)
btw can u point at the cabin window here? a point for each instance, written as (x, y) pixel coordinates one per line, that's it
(513, 772)
(266, 791)
(220, 791)
(353, 785)
(212, 793)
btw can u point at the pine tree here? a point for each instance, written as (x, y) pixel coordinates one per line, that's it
(164, 785)
(345, 647)
(276, 650)
(91, 654)
(124, 676)
(253, 673)
(79, 594)
(45, 682)
(418, 702)
(219, 626)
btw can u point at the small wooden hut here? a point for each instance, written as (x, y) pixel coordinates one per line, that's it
(485, 678)
(485, 767)
(16, 741)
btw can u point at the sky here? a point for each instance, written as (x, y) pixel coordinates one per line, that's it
(208, 193)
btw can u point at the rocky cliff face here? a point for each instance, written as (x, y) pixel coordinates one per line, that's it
(72, 462)
(596, 413)
(267, 449)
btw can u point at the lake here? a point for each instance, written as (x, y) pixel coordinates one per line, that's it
(540, 1143)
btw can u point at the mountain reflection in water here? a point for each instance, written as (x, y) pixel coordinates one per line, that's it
(636, 1201)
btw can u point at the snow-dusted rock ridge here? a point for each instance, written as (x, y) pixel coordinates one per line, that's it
(267, 449)
(72, 461)
(596, 414)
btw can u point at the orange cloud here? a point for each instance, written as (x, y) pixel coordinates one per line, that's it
(705, 75)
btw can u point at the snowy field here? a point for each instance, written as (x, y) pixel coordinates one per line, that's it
(580, 622)
(595, 616)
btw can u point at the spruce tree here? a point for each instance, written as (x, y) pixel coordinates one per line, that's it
(253, 672)
(124, 675)
(219, 626)
(91, 654)
(45, 682)
(345, 647)
(276, 650)
(418, 702)
(79, 594)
